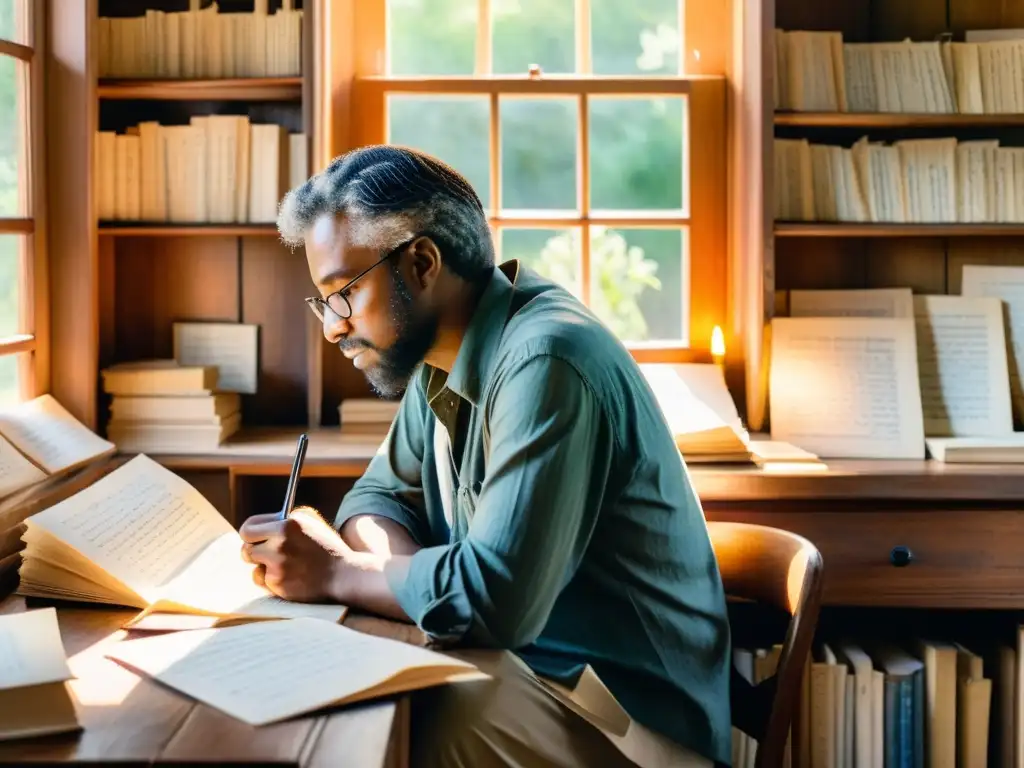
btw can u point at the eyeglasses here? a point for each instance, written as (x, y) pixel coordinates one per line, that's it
(338, 301)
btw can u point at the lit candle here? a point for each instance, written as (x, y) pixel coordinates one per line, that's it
(717, 346)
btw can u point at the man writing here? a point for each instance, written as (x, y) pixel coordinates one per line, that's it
(529, 504)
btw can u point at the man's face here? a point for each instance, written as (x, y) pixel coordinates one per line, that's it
(389, 330)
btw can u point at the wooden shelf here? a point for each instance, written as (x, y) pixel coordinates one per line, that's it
(334, 453)
(224, 89)
(150, 229)
(894, 120)
(825, 229)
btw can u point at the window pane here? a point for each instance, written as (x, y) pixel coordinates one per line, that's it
(637, 153)
(639, 37)
(640, 283)
(10, 284)
(554, 253)
(538, 153)
(455, 129)
(10, 391)
(431, 37)
(12, 21)
(10, 135)
(527, 32)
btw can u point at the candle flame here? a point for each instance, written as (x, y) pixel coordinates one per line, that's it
(717, 342)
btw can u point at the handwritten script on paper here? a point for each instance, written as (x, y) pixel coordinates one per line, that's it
(872, 302)
(965, 382)
(50, 436)
(231, 347)
(846, 387)
(16, 472)
(1007, 285)
(31, 651)
(269, 671)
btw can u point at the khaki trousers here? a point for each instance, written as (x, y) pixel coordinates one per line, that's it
(513, 720)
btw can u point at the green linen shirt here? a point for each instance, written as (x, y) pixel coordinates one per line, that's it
(575, 535)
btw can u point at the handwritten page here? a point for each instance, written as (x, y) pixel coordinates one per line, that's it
(269, 671)
(16, 472)
(1006, 284)
(872, 302)
(961, 359)
(231, 347)
(45, 432)
(31, 651)
(142, 524)
(846, 387)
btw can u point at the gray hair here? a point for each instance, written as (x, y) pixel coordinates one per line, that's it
(391, 194)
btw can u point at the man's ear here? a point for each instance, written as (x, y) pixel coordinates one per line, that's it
(426, 261)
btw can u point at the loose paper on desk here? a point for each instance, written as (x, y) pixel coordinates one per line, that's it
(869, 302)
(268, 671)
(34, 699)
(142, 536)
(16, 472)
(52, 438)
(961, 360)
(846, 387)
(1006, 284)
(231, 347)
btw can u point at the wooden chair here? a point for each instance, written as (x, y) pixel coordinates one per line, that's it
(778, 568)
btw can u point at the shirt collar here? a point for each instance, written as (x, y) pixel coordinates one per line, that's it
(477, 354)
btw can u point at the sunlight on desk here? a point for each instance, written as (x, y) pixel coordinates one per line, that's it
(98, 681)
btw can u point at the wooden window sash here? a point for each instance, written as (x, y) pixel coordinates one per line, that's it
(705, 221)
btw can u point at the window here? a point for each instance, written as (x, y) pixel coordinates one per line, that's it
(20, 263)
(601, 163)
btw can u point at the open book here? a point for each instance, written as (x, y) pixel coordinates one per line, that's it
(265, 672)
(34, 698)
(143, 537)
(39, 438)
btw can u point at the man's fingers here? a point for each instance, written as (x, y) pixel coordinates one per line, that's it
(259, 576)
(247, 553)
(261, 528)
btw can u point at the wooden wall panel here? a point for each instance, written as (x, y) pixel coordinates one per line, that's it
(853, 19)
(274, 283)
(163, 279)
(985, 14)
(822, 263)
(919, 264)
(893, 20)
(997, 252)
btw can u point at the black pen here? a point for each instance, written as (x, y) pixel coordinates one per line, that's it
(293, 478)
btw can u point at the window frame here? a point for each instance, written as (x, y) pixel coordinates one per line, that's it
(706, 256)
(31, 344)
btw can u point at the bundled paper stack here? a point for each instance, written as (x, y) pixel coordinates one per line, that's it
(161, 406)
(367, 415)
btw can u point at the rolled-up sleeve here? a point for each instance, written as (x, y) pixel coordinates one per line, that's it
(548, 456)
(392, 485)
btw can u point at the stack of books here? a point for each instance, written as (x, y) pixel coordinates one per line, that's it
(160, 406)
(367, 415)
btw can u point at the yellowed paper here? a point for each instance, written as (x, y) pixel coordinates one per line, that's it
(31, 650)
(846, 387)
(268, 671)
(868, 302)
(16, 472)
(231, 347)
(51, 437)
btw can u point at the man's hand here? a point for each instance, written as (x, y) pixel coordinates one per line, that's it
(301, 558)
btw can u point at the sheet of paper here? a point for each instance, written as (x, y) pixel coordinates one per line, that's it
(141, 523)
(268, 671)
(16, 472)
(870, 302)
(961, 359)
(31, 650)
(231, 347)
(693, 395)
(55, 440)
(1006, 284)
(219, 581)
(846, 387)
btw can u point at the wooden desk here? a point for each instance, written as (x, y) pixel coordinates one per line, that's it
(130, 720)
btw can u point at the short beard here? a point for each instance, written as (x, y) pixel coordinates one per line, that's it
(415, 334)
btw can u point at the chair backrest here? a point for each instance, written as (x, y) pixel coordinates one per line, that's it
(773, 567)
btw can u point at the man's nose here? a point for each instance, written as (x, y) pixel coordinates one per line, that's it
(335, 328)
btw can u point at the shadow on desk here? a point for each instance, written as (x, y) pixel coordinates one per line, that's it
(128, 719)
